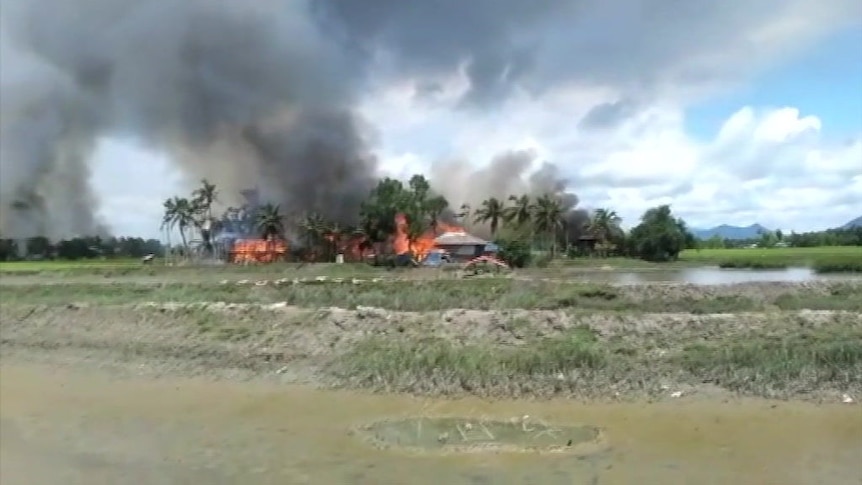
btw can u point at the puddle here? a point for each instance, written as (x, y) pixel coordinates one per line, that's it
(85, 427)
(470, 435)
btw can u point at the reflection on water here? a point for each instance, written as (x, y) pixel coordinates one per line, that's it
(710, 276)
(80, 428)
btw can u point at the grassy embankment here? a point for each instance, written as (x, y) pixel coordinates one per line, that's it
(435, 295)
(789, 363)
(533, 338)
(821, 259)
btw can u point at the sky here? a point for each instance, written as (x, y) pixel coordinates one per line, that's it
(761, 122)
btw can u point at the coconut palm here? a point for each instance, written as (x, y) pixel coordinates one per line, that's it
(520, 214)
(179, 213)
(270, 221)
(548, 219)
(604, 225)
(314, 229)
(204, 196)
(492, 212)
(202, 202)
(463, 212)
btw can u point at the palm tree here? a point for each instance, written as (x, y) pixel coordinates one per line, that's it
(202, 202)
(520, 214)
(493, 211)
(548, 219)
(463, 212)
(604, 225)
(269, 221)
(179, 212)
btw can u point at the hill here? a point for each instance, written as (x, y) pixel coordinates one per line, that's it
(725, 231)
(854, 223)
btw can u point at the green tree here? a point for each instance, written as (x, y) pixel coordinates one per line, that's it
(658, 237)
(270, 221)
(202, 201)
(548, 219)
(179, 213)
(520, 214)
(604, 225)
(492, 212)
(391, 197)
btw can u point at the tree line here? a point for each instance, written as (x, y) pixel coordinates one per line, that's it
(521, 224)
(771, 239)
(41, 248)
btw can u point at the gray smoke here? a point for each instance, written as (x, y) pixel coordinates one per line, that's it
(245, 95)
(516, 172)
(264, 93)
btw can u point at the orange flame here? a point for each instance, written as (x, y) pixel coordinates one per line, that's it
(424, 244)
(400, 241)
(257, 251)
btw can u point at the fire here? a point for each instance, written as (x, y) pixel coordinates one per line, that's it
(424, 243)
(257, 251)
(400, 241)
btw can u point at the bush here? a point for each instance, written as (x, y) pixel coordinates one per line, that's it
(516, 253)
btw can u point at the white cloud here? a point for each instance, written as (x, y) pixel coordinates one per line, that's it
(132, 183)
(769, 166)
(764, 165)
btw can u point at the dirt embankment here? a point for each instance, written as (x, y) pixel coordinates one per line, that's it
(502, 352)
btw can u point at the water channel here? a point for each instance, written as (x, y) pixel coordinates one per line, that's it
(88, 428)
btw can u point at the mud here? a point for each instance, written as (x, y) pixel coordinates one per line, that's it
(457, 434)
(78, 426)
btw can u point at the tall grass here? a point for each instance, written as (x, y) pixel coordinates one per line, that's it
(580, 362)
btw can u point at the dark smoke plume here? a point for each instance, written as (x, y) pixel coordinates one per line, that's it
(245, 94)
(265, 93)
(253, 94)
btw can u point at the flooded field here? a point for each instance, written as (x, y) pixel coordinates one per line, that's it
(85, 427)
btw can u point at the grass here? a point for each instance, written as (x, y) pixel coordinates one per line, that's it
(580, 362)
(776, 363)
(432, 295)
(821, 259)
(123, 267)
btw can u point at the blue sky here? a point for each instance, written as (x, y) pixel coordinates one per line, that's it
(825, 80)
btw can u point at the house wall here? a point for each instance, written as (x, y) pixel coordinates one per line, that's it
(463, 253)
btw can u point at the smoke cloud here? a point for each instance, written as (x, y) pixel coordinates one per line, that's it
(245, 94)
(510, 173)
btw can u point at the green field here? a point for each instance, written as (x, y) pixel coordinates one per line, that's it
(822, 259)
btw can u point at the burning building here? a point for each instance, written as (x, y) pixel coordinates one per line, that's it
(246, 251)
(461, 246)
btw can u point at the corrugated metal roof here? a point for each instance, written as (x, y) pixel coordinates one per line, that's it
(458, 239)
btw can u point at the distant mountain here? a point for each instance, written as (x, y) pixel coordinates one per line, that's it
(730, 232)
(854, 223)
